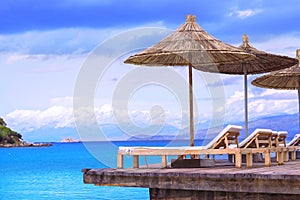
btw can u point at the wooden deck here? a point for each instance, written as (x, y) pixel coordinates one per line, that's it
(220, 182)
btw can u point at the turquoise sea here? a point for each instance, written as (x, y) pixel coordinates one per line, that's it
(55, 172)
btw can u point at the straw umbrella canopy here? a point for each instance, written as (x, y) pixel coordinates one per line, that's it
(286, 79)
(189, 46)
(262, 63)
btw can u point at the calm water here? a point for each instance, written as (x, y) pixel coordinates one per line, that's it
(55, 172)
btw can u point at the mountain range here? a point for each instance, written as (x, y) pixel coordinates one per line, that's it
(168, 132)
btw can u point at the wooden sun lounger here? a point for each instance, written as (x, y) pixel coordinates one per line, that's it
(226, 142)
(266, 141)
(295, 141)
(293, 146)
(259, 142)
(259, 138)
(278, 143)
(174, 151)
(285, 150)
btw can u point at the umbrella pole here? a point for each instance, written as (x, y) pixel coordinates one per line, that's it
(246, 99)
(191, 105)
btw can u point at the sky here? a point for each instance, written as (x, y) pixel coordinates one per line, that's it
(48, 51)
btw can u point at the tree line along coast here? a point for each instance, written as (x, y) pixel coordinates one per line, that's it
(10, 138)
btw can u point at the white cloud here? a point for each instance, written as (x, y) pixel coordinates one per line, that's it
(62, 41)
(238, 96)
(61, 116)
(278, 94)
(280, 44)
(243, 14)
(28, 120)
(262, 107)
(60, 113)
(270, 102)
(40, 63)
(16, 57)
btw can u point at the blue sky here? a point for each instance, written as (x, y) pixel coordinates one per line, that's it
(45, 44)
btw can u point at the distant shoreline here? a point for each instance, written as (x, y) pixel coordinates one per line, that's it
(25, 145)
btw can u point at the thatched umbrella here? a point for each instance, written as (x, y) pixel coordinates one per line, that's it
(189, 46)
(286, 79)
(263, 62)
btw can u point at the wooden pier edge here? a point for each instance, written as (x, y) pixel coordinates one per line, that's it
(275, 182)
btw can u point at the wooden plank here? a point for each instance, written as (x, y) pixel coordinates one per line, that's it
(169, 152)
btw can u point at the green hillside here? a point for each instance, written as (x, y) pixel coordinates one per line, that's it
(8, 136)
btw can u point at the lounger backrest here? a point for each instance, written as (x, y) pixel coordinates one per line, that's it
(295, 141)
(259, 138)
(226, 138)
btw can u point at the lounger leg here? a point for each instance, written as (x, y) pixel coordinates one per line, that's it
(164, 161)
(286, 155)
(249, 159)
(280, 157)
(267, 158)
(135, 161)
(238, 159)
(294, 155)
(120, 161)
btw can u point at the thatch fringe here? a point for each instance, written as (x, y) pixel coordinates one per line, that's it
(262, 63)
(283, 79)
